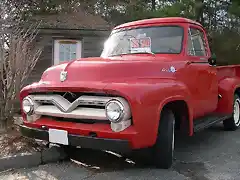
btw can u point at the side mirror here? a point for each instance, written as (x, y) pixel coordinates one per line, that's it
(212, 60)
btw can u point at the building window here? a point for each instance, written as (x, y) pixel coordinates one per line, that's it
(66, 50)
(196, 43)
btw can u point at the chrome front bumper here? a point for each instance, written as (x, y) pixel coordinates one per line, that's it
(116, 145)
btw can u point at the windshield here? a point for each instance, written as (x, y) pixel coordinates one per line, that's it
(155, 40)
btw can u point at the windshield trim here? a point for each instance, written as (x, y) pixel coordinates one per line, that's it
(129, 28)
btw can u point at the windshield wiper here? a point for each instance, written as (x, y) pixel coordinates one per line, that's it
(145, 52)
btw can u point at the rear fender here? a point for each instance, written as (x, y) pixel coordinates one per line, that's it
(227, 88)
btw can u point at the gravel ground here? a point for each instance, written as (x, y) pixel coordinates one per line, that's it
(12, 143)
(212, 154)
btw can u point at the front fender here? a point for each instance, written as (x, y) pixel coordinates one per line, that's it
(179, 93)
(227, 88)
(147, 98)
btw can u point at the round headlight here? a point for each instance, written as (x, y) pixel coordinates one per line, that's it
(28, 106)
(114, 111)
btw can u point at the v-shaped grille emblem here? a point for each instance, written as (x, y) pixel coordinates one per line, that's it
(65, 106)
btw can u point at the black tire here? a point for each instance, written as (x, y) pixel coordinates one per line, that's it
(233, 123)
(164, 148)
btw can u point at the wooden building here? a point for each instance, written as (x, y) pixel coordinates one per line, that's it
(68, 36)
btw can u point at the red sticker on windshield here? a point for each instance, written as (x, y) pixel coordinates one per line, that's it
(134, 43)
(140, 45)
(146, 42)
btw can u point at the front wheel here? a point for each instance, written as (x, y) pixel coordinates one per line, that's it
(233, 123)
(164, 148)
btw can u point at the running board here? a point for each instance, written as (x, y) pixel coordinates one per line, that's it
(207, 121)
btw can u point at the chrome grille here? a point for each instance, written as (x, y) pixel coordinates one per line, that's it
(65, 106)
(81, 106)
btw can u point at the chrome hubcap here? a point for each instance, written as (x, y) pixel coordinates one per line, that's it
(236, 112)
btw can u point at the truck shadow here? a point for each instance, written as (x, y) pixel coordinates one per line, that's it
(191, 153)
(100, 161)
(187, 161)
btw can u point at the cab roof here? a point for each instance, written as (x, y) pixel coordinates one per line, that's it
(153, 21)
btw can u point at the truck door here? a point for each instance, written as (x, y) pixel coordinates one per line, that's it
(203, 84)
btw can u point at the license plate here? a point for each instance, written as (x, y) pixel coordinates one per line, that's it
(58, 136)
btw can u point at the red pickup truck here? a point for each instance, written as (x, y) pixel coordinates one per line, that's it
(154, 77)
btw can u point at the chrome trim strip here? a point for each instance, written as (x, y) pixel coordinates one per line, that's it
(78, 113)
(65, 106)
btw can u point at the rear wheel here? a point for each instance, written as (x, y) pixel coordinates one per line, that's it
(233, 123)
(164, 148)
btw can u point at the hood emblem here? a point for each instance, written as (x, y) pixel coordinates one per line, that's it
(63, 76)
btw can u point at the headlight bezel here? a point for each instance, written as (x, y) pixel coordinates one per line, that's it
(30, 102)
(121, 110)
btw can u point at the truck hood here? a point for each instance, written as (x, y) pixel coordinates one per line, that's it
(102, 70)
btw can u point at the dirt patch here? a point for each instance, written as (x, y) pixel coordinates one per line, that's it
(12, 143)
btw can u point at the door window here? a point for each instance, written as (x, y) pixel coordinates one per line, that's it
(196, 43)
(66, 50)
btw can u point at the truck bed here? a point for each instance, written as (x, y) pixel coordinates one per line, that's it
(228, 71)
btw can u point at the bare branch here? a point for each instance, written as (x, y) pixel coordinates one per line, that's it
(19, 54)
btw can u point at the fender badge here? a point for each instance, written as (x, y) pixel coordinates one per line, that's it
(171, 69)
(63, 76)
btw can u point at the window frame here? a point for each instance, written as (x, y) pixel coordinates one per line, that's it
(56, 49)
(204, 38)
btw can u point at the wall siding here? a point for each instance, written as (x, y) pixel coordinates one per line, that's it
(92, 46)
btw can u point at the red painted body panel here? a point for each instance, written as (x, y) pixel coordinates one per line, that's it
(229, 81)
(157, 21)
(144, 82)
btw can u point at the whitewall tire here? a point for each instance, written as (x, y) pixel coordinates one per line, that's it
(233, 123)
